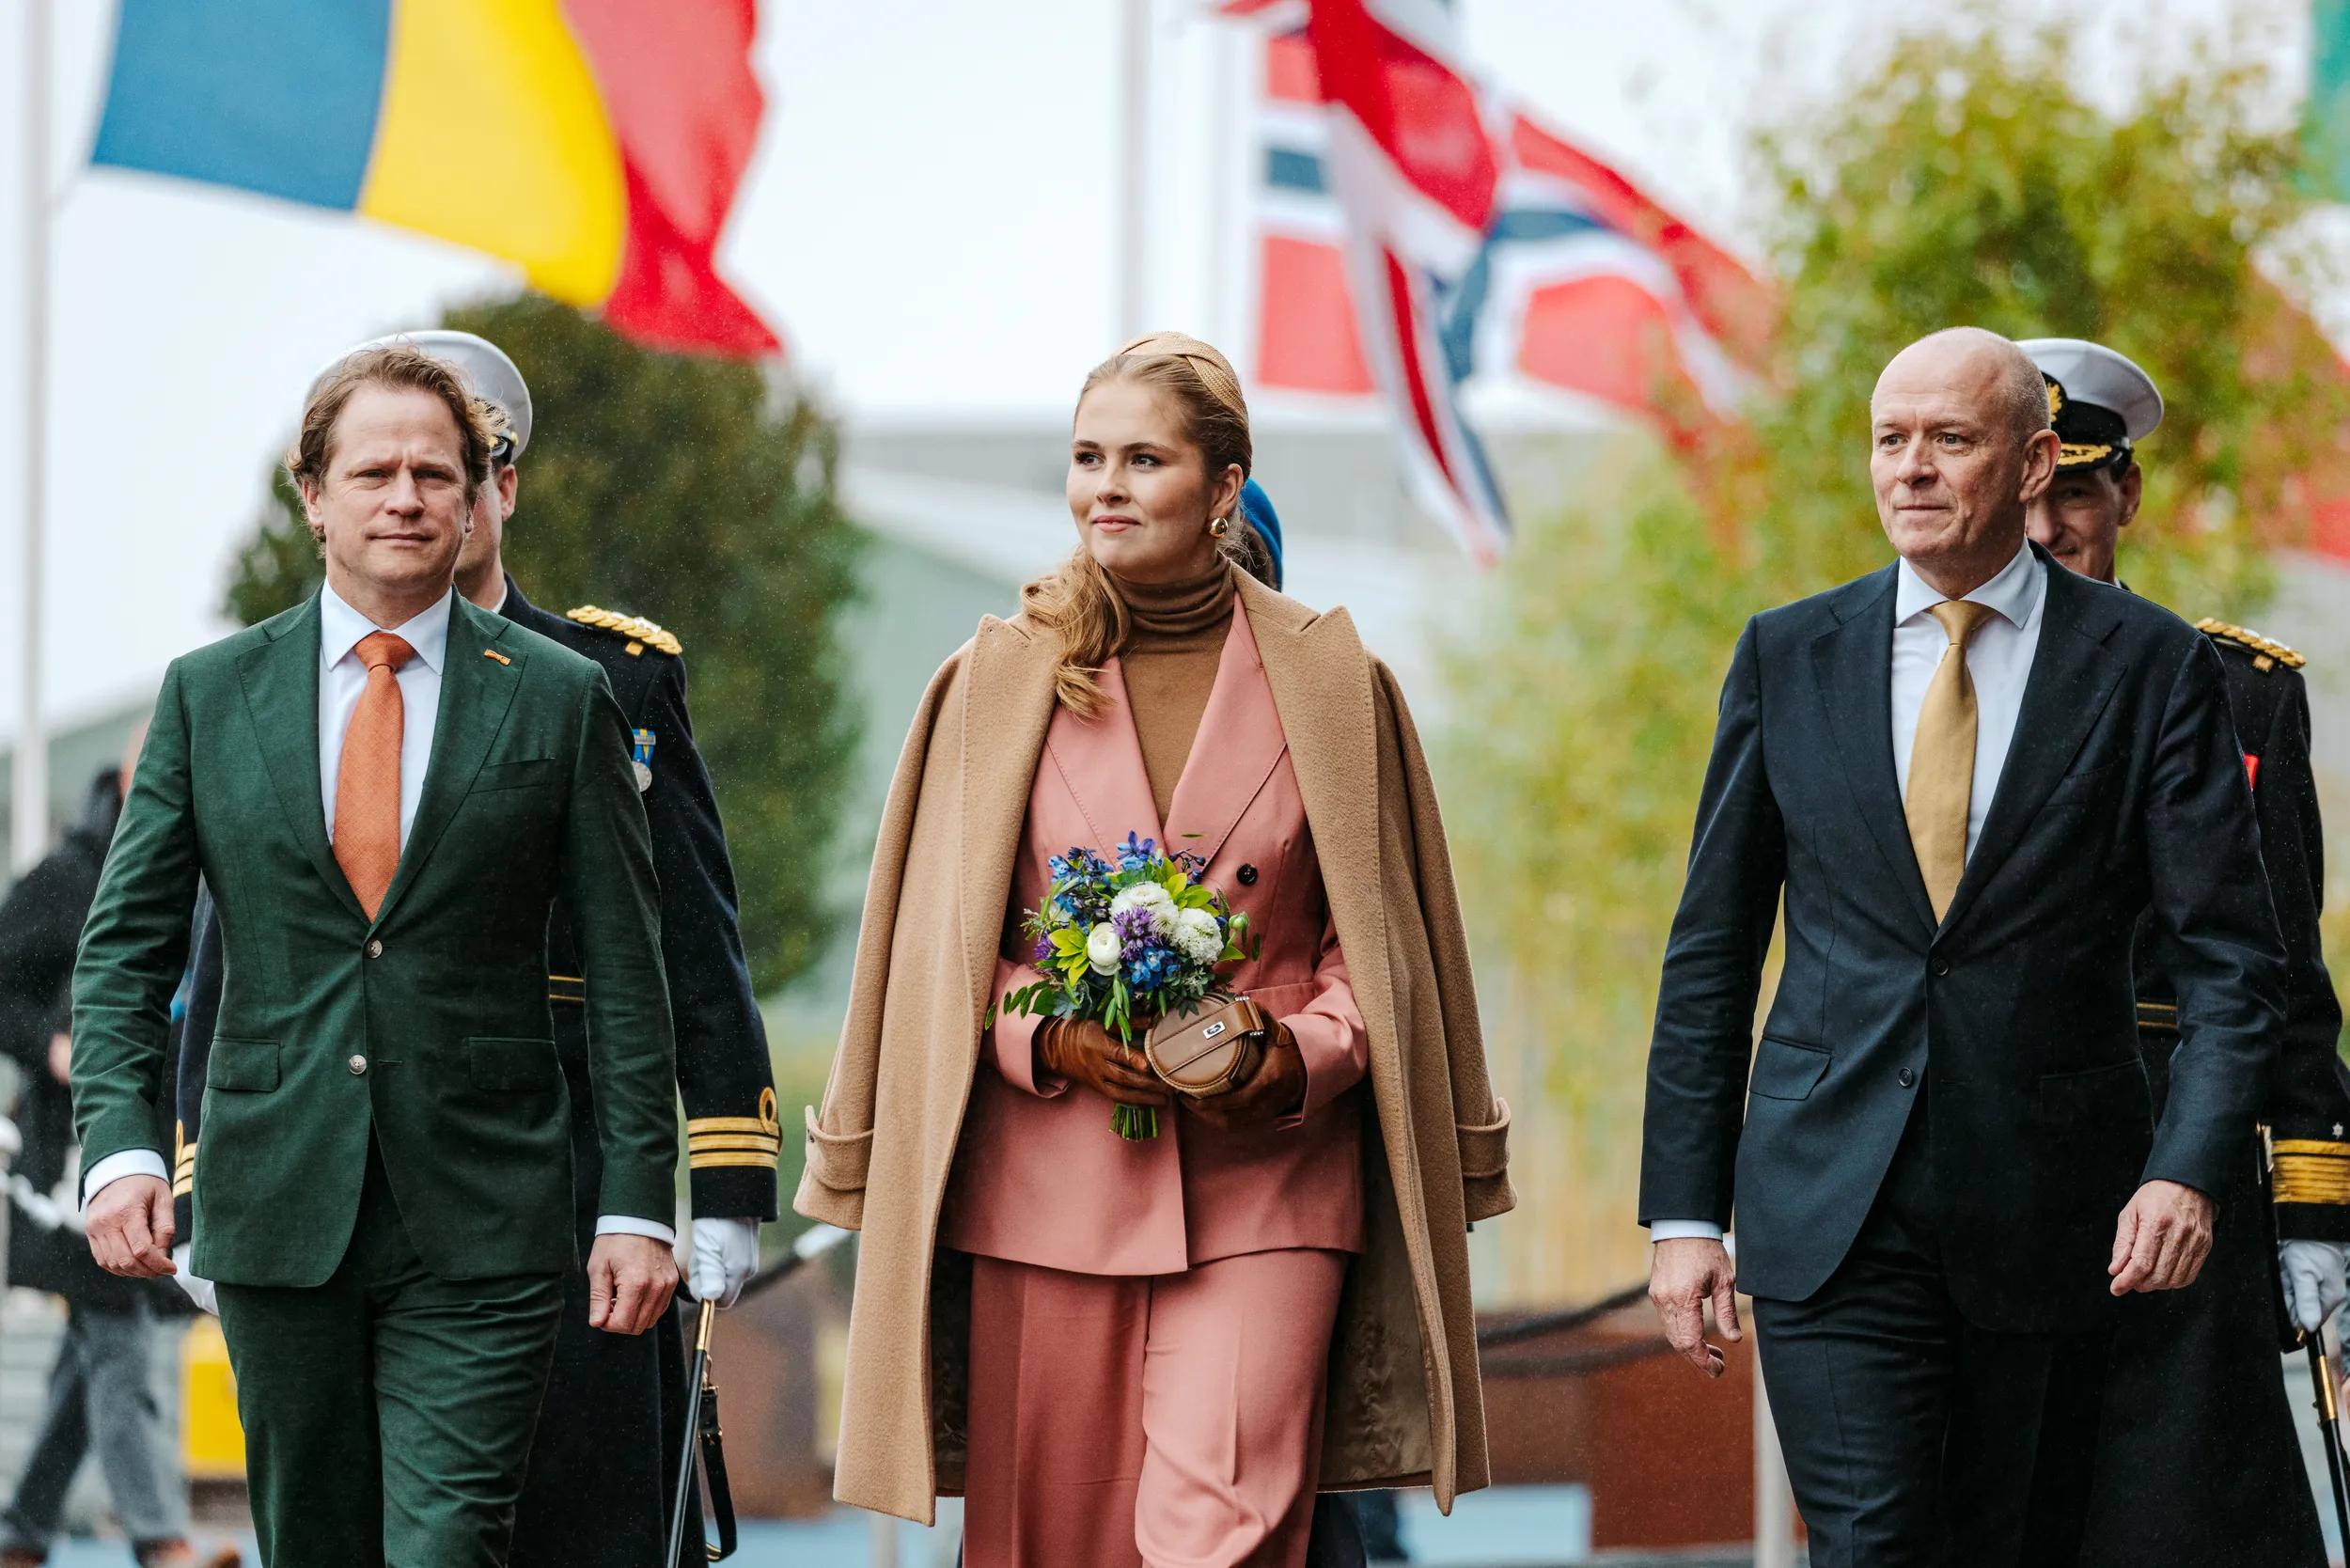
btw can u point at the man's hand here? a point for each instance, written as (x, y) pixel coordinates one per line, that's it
(2312, 1275)
(1083, 1052)
(725, 1255)
(129, 1226)
(630, 1281)
(1274, 1091)
(61, 1057)
(2161, 1240)
(1683, 1274)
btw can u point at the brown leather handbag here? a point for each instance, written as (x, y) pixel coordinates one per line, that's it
(1208, 1050)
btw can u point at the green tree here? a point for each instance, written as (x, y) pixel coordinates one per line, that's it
(694, 492)
(1965, 181)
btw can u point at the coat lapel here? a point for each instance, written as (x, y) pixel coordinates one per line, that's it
(476, 691)
(1239, 743)
(1319, 679)
(281, 694)
(1100, 758)
(2073, 677)
(1007, 702)
(1855, 666)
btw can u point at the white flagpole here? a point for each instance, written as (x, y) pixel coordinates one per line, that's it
(28, 800)
(1133, 128)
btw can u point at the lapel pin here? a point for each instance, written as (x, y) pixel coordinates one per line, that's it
(493, 653)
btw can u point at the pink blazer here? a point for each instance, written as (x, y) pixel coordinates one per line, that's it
(1039, 1176)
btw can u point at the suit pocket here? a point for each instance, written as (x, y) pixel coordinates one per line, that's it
(1786, 1070)
(511, 1065)
(242, 1066)
(514, 775)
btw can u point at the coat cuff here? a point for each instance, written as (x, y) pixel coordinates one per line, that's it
(1485, 1163)
(730, 1161)
(2310, 1182)
(836, 1161)
(1331, 1051)
(629, 1225)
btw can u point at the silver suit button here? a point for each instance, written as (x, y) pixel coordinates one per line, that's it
(375, 947)
(358, 1065)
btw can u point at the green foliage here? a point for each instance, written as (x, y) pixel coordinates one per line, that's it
(1964, 181)
(689, 492)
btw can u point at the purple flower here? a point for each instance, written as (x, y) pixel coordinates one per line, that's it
(1043, 950)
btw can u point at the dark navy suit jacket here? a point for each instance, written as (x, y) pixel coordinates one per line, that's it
(2123, 790)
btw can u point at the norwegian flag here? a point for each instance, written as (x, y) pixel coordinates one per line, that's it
(1417, 230)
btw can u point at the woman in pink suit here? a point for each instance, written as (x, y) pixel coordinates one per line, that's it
(1154, 1352)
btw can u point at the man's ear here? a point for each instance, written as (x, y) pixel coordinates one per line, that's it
(508, 481)
(2041, 452)
(311, 512)
(2133, 487)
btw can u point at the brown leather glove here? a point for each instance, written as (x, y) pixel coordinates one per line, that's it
(1276, 1088)
(1086, 1053)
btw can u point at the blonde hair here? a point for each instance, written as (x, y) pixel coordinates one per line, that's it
(1078, 601)
(402, 369)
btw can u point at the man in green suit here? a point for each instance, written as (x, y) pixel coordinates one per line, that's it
(385, 791)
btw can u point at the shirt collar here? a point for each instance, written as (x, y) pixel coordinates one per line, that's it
(340, 627)
(2014, 593)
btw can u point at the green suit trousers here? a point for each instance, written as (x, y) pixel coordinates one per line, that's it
(388, 1412)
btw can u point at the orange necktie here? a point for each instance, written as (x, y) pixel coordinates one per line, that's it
(367, 791)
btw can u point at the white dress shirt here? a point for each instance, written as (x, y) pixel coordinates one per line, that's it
(1999, 660)
(342, 680)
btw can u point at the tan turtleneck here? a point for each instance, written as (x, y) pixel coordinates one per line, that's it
(1174, 642)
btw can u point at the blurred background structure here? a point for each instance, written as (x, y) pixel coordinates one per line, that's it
(1552, 423)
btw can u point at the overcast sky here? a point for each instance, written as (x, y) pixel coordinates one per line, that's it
(929, 222)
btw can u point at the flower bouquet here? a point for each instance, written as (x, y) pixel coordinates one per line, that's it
(1141, 938)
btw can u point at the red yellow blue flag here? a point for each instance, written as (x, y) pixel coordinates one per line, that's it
(597, 144)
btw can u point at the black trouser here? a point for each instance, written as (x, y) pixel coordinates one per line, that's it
(1912, 1435)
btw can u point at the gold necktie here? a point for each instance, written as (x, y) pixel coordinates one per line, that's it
(367, 788)
(1942, 760)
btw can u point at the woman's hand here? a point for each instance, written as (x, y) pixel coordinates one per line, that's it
(1083, 1051)
(1276, 1088)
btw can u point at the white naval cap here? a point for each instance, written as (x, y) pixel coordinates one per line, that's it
(2099, 401)
(489, 374)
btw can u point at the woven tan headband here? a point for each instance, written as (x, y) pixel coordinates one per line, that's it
(1214, 370)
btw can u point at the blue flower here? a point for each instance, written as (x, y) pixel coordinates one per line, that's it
(1135, 852)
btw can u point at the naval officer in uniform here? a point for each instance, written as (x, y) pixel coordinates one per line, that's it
(602, 1460)
(2196, 1376)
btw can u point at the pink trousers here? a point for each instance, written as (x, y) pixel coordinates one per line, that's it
(1163, 1421)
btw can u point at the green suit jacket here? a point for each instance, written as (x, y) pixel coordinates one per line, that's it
(428, 1028)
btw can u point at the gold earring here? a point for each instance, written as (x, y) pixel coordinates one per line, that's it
(1219, 527)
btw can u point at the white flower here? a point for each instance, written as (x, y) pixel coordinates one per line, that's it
(1103, 948)
(1196, 936)
(1152, 900)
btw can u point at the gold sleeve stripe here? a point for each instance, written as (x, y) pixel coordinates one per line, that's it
(729, 1124)
(2330, 1148)
(183, 1187)
(712, 1162)
(2310, 1178)
(710, 1142)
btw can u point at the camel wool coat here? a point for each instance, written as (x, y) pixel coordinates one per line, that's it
(1405, 1405)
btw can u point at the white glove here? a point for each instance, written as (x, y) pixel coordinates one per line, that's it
(2314, 1287)
(199, 1289)
(725, 1255)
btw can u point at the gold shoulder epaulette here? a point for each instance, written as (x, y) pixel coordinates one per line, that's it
(641, 634)
(2268, 653)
